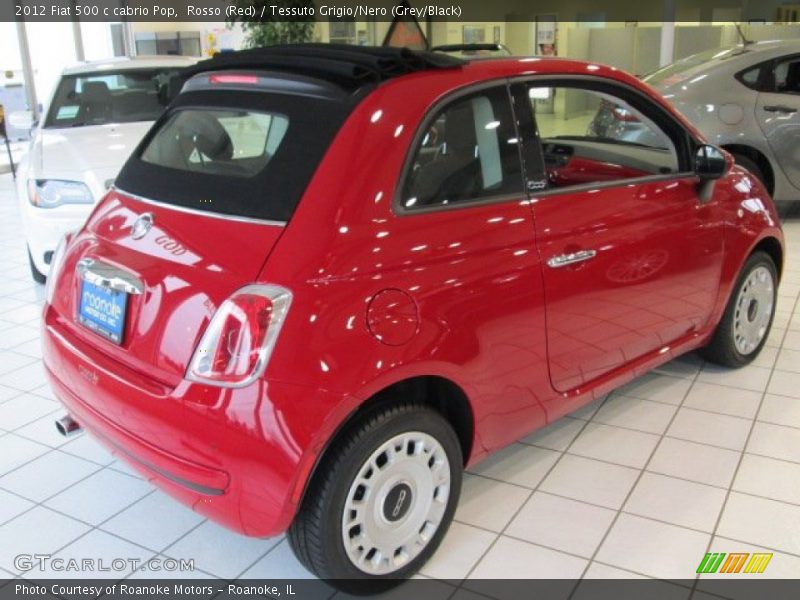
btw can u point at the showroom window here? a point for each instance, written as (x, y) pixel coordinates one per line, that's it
(592, 137)
(469, 151)
(169, 43)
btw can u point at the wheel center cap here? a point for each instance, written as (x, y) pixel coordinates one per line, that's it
(752, 310)
(397, 502)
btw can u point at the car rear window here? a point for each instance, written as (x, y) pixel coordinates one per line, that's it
(232, 152)
(110, 97)
(235, 143)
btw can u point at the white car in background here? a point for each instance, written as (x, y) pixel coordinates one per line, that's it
(96, 116)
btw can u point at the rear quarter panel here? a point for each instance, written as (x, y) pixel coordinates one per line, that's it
(345, 244)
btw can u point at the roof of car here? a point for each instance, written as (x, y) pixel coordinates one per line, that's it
(755, 51)
(354, 67)
(344, 65)
(512, 66)
(721, 62)
(124, 63)
(771, 45)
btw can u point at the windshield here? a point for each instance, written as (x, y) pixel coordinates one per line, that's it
(675, 72)
(110, 97)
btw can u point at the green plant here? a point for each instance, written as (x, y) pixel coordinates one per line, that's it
(273, 28)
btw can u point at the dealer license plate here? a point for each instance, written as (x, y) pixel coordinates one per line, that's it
(103, 310)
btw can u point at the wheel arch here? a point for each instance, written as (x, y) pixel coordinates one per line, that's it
(771, 246)
(718, 347)
(440, 393)
(757, 157)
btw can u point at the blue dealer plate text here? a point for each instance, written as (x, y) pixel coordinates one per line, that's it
(103, 311)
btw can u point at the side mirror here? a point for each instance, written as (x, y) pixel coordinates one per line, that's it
(21, 119)
(711, 162)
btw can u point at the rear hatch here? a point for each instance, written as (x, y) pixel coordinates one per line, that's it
(177, 274)
(194, 215)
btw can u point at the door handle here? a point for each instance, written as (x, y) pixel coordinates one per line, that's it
(108, 276)
(781, 108)
(562, 260)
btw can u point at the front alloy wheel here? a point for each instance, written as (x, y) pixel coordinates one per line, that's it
(754, 307)
(747, 320)
(381, 500)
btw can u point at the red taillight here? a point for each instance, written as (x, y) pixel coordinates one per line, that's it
(236, 346)
(237, 79)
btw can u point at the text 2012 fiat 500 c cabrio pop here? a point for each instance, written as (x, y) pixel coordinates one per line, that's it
(331, 277)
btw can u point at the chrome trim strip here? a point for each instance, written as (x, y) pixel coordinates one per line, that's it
(108, 276)
(201, 213)
(562, 260)
(617, 183)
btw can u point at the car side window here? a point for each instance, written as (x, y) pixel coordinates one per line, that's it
(591, 137)
(751, 77)
(787, 76)
(468, 151)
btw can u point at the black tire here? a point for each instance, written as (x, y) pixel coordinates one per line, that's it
(722, 348)
(316, 535)
(751, 165)
(36, 274)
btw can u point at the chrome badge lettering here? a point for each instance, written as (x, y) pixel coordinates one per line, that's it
(142, 225)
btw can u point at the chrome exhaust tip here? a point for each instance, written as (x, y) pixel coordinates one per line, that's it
(68, 427)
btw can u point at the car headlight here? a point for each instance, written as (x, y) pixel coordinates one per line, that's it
(49, 193)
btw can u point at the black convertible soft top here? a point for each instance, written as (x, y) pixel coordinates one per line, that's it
(347, 66)
(313, 87)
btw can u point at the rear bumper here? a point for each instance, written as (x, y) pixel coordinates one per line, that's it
(137, 452)
(238, 456)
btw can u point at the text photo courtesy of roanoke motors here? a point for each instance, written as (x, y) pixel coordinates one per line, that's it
(448, 300)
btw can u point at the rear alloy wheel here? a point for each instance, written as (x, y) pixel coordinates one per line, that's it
(381, 501)
(748, 317)
(396, 503)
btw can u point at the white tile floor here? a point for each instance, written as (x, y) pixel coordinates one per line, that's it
(684, 460)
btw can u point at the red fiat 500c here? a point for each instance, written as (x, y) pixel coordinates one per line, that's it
(330, 278)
